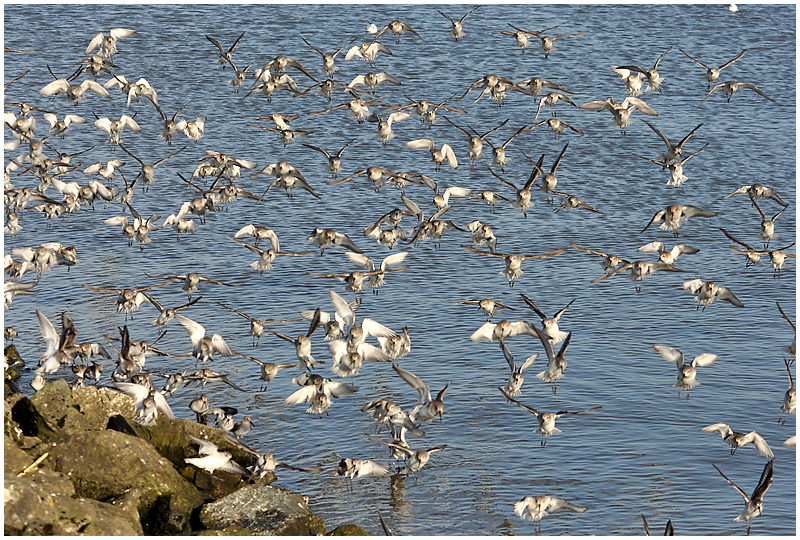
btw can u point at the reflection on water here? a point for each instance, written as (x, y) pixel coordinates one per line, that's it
(642, 453)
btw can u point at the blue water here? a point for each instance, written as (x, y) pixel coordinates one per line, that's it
(643, 452)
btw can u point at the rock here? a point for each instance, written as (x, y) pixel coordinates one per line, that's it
(44, 503)
(263, 510)
(54, 411)
(228, 531)
(348, 530)
(98, 404)
(14, 363)
(15, 459)
(108, 465)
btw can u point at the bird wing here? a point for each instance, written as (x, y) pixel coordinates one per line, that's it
(557, 503)
(486, 331)
(530, 409)
(560, 312)
(509, 357)
(722, 428)
(195, 330)
(669, 354)
(656, 218)
(302, 395)
(162, 406)
(479, 252)
(418, 384)
(374, 328)
(734, 59)
(763, 483)
(755, 89)
(531, 305)
(342, 308)
(553, 253)
(760, 444)
(652, 247)
(49, 334)
(737, 488)
(724, 293)
(220, 346)
(563, 413)
(702, 64)
(342, 239)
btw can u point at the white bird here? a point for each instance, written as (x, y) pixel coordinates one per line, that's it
(180, 225)
(203, 347)
(621, 111)
(371, 80)
(736, 440)
(367, 51)
(652, 76)
(302, 344)
(757, 191)
(754, 504)
(166, 314)
(767, 225)
(475, 141)
(549, 324)
(325, 238)
(556, 363)
(708, 292)
(677, 178)
(356, 468)
(319, 393)
(687, 373)
(609, 262)
(440, 156)
(547, 41)
(535, 508)
(427, 408)
(73, 92)
(676, 215)
(547, 421)
(665, 256)
(212, 459)
(712, 74)
(334, 160)
(114, 128)
(457, 32)
(503, 330)
(195, 130)
(385, 133)
(398, 29)
(267, 256)
(515, 380)
(61, 126)
(108, 45)
(225, 55)
(148, 403)
(730, 87)
(513, 270)
(633, 80)
(377, 278)
(673, 152)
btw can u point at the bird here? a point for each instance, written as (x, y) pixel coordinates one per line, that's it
(515, 380)
(356, 468)
(754, 504)
(676, 215)
(205, 375)
(475, 141)
(633, 79)
(367, 51)
(267, 256)
(398, 29)
(328, 66)
(547, 41)
(325, 238)
(443, 154)
(377, 276)
(416, 459)
(668, 256)
(621, 111)
(499, 152)
(708, 292)
(753, 255)
(652, 76)
(568, 202)
(212, 459)
(757, 191)
(767, 225)
(256, 325)
(319, 393)
(457, 32)
(335, 160)
(513, 262)
(609, 262)
(225, 55)
(108, 45)
(687, 373)
(556, 363)
(521, 36)
(677, 178)
(61, 126)
(203, 347)
(547, 421)
(371, 80)
(128, 300)
(549, 180)
(549, 324)
(190, 281)
(427, 408)
(673, 152)
(302, 344)
(638, 271)
(736, 439)
(487, 305)
(147, 403)
(343, 318)
(712, 74)
(385, 133)
(167, 314)
(791, 350)
(730, 87)
(147, 174)
(551, 99)
(259, 233)
(523, 198)
(789, 405)
(535, 508)
(558, 127)
(73, 92)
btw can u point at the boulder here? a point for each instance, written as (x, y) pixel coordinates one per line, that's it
(44, 503)
(98, 404)
(54, 411)
(263, 510)
(109, 465)
(14, 363)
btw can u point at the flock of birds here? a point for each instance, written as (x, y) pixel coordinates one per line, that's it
(38, 180)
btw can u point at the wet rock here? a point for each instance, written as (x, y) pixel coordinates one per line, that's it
(108, 465)
(228, 531)
(14, 363)
(348, 530)
(44, 503)
(263, 510)
(54, 411)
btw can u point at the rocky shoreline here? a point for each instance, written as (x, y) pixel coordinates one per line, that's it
(75, 464)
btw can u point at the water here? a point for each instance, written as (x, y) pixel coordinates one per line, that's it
(643, 452)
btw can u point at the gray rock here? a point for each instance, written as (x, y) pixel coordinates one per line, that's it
(98, 404)
(263, 510)
(348, 530)
(44, 503)
(108, 465)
